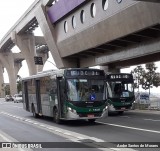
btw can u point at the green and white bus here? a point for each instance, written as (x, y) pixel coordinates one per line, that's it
(120, 92)
(69, 94)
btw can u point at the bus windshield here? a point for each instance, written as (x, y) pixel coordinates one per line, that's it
(85, 90)
(118, 89)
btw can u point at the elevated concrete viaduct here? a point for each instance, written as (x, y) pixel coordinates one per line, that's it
(12, 67)
(121, 35)
(154, 1)
(80, 33)
(1, 81)
(12, 62)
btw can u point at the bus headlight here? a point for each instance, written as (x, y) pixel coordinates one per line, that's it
(72, 110)
(105, 108)
(69, 109)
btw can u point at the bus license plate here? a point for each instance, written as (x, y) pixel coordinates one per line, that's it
(90, 115)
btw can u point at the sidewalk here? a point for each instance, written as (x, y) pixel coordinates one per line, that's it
(146, 111)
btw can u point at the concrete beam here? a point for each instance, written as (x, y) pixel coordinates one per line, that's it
(2, 93)
(110, 69)
(154, 1)
(39, 40)
(26, 44)
(50, 37)
(18, 56)
(107, 26)
(142, 50)
(8, 62)
(47, 2)
(136, 61)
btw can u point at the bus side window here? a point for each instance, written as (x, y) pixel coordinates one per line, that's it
(62, 87)
(53, 89)
(52, 95)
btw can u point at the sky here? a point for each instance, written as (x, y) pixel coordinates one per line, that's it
(10, 12)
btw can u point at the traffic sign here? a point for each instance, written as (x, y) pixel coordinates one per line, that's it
(38, 60)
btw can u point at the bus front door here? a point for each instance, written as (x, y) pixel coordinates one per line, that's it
(38, 97)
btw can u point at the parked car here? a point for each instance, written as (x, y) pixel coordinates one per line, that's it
(8, 98)
(17, 98)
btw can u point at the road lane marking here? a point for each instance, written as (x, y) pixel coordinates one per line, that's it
(18, 107)
(9, 139)
(2, 103)
(152, 120)
(125, 116)
(74, 136)
(135, 128)
(35, 123)
(4, 137)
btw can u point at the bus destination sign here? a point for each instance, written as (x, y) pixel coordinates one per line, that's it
(120, 76)
(84, 73)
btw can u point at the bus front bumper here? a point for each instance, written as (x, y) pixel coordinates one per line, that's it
(73, 115)
(112, 108)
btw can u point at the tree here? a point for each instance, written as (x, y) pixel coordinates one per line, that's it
(156, 80)
(138, 73)
(19, 84)
(3, 88)
(150, 77)
(7, 90)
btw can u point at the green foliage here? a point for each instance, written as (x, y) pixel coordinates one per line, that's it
(156, 80)
(150, 78)
(147, 77)
(6, 89)
(138, 73)
(19, 84)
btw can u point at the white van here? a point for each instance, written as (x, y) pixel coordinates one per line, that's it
(17, 98)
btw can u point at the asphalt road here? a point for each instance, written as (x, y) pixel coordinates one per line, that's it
(131, 127)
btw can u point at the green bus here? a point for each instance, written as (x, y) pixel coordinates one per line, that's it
(120, 92)
(66, 94)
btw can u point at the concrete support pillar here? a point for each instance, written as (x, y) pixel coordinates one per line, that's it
(26, 44)
(17, 66)
(110, 69)
(50, 38)
(2, 93)
(44, 57)
(7, 60)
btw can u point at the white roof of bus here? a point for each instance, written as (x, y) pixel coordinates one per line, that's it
(57, 72)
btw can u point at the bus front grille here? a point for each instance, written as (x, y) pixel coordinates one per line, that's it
(95, 114)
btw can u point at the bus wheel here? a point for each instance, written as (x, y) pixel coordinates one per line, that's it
(91, 120)
(56, 116)
(120, 112)
(34, 112)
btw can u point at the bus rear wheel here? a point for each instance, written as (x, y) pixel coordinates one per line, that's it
(56, 116)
